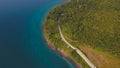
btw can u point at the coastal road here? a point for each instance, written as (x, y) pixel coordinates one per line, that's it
(79, 52)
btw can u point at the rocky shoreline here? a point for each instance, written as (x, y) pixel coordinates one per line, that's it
(62, 54)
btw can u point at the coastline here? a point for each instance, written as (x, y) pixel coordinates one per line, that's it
(66, 54)
(51, 45)
(62, 54)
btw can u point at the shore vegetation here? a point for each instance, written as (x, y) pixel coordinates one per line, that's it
(90, 25)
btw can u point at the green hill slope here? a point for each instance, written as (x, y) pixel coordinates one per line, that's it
(95, 23)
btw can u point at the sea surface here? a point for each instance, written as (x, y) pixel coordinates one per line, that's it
(22, 43)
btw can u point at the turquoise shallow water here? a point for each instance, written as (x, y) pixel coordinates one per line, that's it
(22, 44)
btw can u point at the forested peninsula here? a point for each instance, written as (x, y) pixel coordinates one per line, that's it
(93, 26)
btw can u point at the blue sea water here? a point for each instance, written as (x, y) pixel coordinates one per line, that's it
(22, 44)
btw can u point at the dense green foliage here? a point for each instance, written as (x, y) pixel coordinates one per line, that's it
(93, 22)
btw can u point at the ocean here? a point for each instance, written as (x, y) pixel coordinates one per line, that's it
(22, 43)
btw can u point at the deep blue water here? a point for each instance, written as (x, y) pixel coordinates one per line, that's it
(22, 44)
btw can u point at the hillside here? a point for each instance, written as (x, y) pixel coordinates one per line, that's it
(90, 25)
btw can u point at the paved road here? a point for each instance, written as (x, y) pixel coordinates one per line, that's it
(79, 52)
